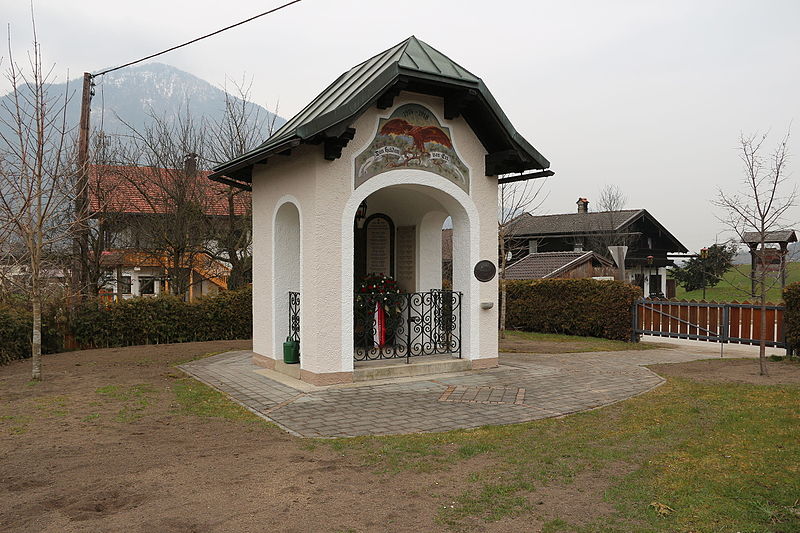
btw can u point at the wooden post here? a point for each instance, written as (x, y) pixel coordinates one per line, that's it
(80, 274)
(119, 283)
(784, 251)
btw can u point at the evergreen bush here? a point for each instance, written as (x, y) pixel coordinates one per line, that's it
(164, 319)
(584, 307)
(16, 331)
(791, 316)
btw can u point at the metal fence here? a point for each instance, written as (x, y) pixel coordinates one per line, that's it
(738, 323)
(294, 316)
(389, 326)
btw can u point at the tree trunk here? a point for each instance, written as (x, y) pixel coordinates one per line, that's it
(503, 298)
(36, 343)
(762, 281)
(762, 345)
(502, 287)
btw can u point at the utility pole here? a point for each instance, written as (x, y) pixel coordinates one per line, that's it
(80, 273)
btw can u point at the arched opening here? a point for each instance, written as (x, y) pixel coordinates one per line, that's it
(401, 308)
(286, 278)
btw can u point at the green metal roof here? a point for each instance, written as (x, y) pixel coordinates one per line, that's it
(411, 65)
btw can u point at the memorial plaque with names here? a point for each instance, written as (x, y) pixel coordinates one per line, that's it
(379, 242)
(407, 258)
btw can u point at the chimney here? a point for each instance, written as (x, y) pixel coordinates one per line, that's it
(190, 163)
(583, 205)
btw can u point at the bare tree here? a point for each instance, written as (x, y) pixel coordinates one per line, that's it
(610, 205)
(178, 218)
(166, 222)
(515, 201)
(760, 208)
(35, 186)
(104, 218)
(241, 128)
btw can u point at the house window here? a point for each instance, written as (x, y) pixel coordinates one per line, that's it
(578, 247)
(125, 285)
(533, 246)
(147, 285)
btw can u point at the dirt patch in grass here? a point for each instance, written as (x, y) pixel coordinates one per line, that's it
(733, 371)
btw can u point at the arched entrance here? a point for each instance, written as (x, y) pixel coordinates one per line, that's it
(398, 305)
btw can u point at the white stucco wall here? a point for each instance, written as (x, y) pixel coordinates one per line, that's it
(323, 192)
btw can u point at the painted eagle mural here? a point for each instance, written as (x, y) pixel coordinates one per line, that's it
(420, 134)
(411, 138)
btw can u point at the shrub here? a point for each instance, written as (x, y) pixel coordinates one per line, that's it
(165, 319)
(791, 316)
(584, 307)
(16, 335)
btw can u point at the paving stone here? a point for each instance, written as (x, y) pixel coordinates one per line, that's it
(553, 385)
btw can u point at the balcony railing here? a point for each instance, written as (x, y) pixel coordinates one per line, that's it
(389, 326)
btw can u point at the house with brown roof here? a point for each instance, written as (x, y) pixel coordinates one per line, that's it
(574, 265)
(151, 231)
(647, 240)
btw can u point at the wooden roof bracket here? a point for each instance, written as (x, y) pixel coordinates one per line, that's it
(232, 183)
(386, 100)
(526, 176)
(334, 145)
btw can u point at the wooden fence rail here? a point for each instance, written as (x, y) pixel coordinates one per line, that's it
(726, 322)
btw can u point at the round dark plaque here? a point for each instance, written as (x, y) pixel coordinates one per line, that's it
(485, 270)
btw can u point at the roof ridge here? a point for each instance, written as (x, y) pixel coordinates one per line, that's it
(421, 68)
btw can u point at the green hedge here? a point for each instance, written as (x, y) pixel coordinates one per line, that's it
(165, 319)
(791, 317)
(16, 335)
(584, 307)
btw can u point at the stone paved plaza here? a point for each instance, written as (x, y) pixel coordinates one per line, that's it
(524, 387)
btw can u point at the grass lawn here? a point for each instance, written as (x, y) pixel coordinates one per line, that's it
(527, 342)
(687, 456)
(119, 439)
(735, 285)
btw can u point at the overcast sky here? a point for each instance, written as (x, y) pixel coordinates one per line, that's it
(651, 96)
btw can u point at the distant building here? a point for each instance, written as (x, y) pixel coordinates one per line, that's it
(574, 265)
(128, 202)
(647, 240)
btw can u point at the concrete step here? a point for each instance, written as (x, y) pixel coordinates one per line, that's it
(398, 368)
(290, 370)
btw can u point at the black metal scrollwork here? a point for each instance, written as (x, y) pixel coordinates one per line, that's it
(389, 326)
(294, 316)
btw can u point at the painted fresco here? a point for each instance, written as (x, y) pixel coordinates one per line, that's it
(412, 138)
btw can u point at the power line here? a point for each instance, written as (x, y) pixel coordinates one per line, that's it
(197, 39)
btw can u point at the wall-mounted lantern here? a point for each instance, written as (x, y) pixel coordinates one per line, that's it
(361, 213)
(649, 259)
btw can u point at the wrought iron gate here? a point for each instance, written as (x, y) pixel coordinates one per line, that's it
(389, 326)
(737, 323)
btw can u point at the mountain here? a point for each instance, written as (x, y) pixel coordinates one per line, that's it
(131, 95)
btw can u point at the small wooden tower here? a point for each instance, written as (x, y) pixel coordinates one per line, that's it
(762, 256)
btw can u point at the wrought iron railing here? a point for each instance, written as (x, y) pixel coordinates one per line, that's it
(389, 326)
(294, 316)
